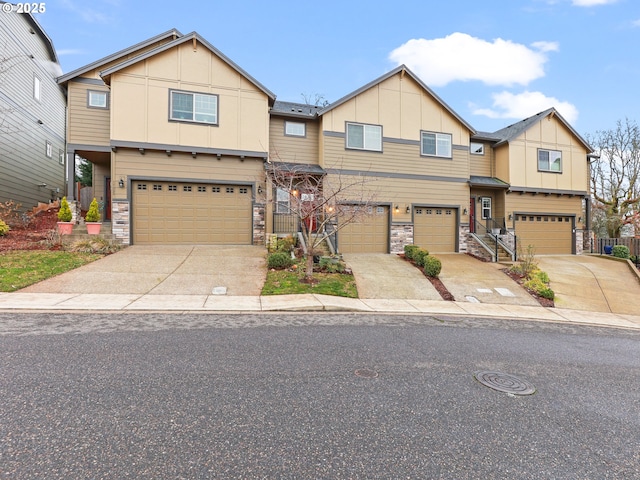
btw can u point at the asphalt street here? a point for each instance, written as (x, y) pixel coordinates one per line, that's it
(313, 396)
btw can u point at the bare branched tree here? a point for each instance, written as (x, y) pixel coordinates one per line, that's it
(322, 203)
(615, 177)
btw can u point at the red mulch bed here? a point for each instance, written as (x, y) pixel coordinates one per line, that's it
(435, 281)
(31, 235)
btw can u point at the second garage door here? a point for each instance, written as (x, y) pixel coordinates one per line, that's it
(434, 228)
(191, 213)
(548, 234)
(369, 235)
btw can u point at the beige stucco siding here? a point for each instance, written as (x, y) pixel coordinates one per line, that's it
(203, 168)
(140, 102)
(86, 126)
(402, 107)
(288, 148)
(549, 134)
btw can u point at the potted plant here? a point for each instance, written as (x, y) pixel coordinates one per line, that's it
(65, 225)
(92, 218)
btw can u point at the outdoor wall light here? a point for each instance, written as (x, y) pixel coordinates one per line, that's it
(121, 183)
(408, 209)
(465, 211)
(510, 217)
(397, 209)
(579, 219)
(294, 192)
(259, 189)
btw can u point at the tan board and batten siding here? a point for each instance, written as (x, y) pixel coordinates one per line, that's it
(368, 235)
(87, 126)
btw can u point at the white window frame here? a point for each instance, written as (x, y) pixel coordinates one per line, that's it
(48, 149)
(96, 93)
(485, 207)
(196, 97)
(371, 136)
(37, 88)
(283, 201)
(553, 157)
(476, 148)
(442, 151)
(295, 129)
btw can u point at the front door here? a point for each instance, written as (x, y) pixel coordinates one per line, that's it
(472, 215)
(107, 196)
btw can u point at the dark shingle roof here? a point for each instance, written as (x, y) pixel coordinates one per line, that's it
(292, 109)
(489, 182)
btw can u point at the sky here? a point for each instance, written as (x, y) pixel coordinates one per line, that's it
(494, 62)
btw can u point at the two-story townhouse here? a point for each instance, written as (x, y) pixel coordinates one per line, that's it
(181, 135)
(186, 134)
(32, 113)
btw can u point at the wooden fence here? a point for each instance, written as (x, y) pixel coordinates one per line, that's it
(631, 242)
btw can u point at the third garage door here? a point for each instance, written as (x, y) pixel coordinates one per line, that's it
(434, 228)
(548, 234)
(368, 235)
(191, 213)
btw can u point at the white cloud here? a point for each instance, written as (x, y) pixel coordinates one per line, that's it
(87, 14)
(69, 51)
(591, 3)
(636, 23)
(525, 104)
(461, 57)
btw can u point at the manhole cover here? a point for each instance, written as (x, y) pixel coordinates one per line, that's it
(366, 373)
(505, 383)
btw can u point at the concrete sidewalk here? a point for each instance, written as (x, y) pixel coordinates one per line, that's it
(92, 302)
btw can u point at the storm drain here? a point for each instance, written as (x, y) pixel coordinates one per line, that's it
(504, 382)
(366, 373)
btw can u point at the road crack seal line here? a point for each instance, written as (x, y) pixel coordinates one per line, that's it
(173, 271)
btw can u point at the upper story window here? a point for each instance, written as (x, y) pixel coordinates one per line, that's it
(549, 161)
(48, 149)
(364, 137)
(193, 107)
(96, 99)
(296, 129)
(37, 88)
(435, 144)
(476, 148)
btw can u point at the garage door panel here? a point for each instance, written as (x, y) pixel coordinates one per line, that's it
(548, 234)
(435, 229)
(181, 213)
(369, 235)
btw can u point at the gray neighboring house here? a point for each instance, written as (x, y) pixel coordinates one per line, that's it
(32, 113)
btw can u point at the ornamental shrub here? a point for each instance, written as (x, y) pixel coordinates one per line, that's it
(420, 256)
(4, 228)
(327, 265)
(65, 215)
(410, 251)
(432, 266)
(93, 215)
(279, 260)
(620, 251)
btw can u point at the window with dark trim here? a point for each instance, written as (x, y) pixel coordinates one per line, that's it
(361, 136)
(193, 107)
(435, 144)
(549, 161)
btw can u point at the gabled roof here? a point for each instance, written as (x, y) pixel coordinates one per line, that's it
(122, 53)
(513, 131)
(179, 41)
(401, 69)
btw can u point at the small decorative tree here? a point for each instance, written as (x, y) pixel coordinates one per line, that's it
(93, 215)
(65, 227)
(65, 215)
(92, 218)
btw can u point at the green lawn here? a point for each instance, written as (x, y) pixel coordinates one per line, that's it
(21, 268)
(283, 282)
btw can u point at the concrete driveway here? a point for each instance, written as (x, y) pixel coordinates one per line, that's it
(166, 270)
(384, 276)
(594, 283)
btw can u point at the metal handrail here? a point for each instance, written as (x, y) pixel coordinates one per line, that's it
(489, 225)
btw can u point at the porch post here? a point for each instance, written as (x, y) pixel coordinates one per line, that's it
(71, 174)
